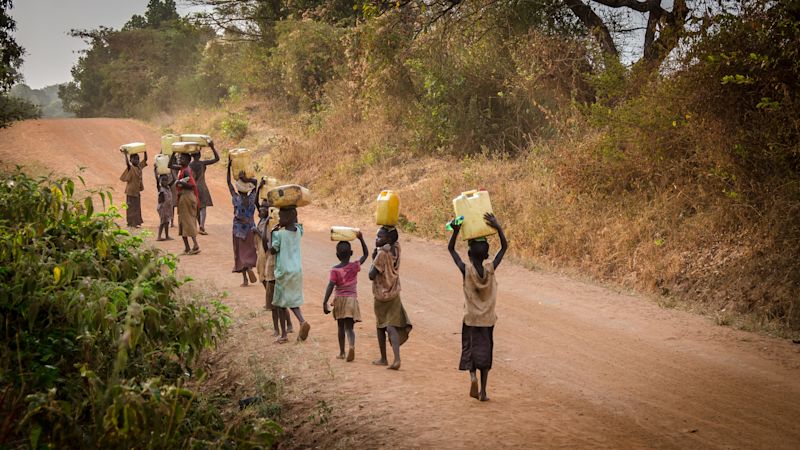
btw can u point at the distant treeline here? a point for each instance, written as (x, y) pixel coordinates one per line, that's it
(45, 98)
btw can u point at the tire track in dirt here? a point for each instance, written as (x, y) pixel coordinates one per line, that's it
(576, 365)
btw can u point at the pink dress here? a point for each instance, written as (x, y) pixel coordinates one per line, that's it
(345, 301)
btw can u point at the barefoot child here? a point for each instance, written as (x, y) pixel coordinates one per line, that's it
(187, 203)
(390, 316)
(203, 194)
(133, 188)
(265, 265)
(344, 277)
(165, 209)
(244, 202)
(480, 289)
(285, 244)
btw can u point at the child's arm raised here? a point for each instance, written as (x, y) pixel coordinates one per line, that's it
(451, 247)
(228, 178)
(363, 249)
(491, 220)
(328, 293)
(213, 160)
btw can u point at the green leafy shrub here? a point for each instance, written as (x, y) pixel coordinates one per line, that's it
(98, 344)
(234, 126)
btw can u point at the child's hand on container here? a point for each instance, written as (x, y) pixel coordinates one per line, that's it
(491, 220)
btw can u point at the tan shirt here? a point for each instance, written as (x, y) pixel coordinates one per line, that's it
(480, 295)
(386, 285)
(133, 176)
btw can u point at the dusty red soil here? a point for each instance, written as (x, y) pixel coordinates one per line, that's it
(576, 365)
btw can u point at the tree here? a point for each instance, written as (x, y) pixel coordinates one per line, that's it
(11, 108)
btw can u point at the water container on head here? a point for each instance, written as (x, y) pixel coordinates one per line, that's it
(185, 147)
(269, 183)
(473, 205)
(241, 161)
(133, 148)
(288, 195)
(344, 233)
(388, 210)
(162, 164)
(166, 143)
(200, 139)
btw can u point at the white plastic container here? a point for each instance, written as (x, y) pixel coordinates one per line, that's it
(202, 139)
(269, 184)
(133, 148)
(166, 143)
(344, 233)
(288, 195)
(185, 147)
(162, 164)
(473, 205)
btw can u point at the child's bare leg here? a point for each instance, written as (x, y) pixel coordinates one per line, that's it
(340, 322)
(244, 279)
(275, 319)
(394, 337)
(484, 380)
(473, 384)
(289, 327)
(282, 315)
(186, 244)
(194, 241)
(160, 229)
(166, 231)
(382, 347)
(351, 335)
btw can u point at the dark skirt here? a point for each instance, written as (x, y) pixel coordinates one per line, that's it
(476, 347)
(244, 252)
(134, 212)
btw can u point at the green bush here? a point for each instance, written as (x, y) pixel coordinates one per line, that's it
(97, 344)
(234, 126)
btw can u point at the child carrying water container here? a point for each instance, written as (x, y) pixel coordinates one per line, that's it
(390, 316)
(133, 188)
(187, 203)
(165, 209)
(344, 278)
(285, 245)
(480, 290)
(265, 264)
(243, 197)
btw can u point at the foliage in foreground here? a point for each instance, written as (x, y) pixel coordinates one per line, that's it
(98, 347)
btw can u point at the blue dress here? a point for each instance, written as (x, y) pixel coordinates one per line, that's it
(288, 268)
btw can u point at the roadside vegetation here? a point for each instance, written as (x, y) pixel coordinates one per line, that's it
(665, 161)
(100, 343)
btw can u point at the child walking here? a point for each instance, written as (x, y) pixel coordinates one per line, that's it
(285, 244)
(132, 176)
(244, 202)
(265, 264)
(165, 209)
(390, 316)
(187, 203)
(480, 290)
(344, 278)
(198, 167)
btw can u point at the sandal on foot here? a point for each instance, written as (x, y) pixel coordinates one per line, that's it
(194, 251)
(380, 362)
(203, 232)
(305, 327)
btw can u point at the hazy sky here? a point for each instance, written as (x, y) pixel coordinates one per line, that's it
(42, 27)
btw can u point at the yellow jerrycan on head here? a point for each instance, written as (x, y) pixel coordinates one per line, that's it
(344, 233)
(269, 183)
(388, 209)
(473, 205)
(166, 143)
(200, 139)
(162, 164)
(185, 147)
(289, 195)
(132, 148)
(241, 161)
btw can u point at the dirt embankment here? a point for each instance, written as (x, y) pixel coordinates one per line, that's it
(576, 365)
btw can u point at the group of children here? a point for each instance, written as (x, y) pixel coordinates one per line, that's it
(275, 252)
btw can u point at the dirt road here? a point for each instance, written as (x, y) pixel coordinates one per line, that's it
(576, 365)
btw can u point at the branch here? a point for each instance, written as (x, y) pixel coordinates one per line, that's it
(594, 23)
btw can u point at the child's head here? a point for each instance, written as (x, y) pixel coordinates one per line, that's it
(196, 156)
(135, 158)
(386, 235)
(183, 160)
(263, 211)
(344, 251)
(478, 249)
(163, 180)
(287, 216)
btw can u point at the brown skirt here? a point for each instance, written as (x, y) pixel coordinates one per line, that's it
(244, 253)
(346, 308)
(477, 344)
(187, 214)
(391, 313)
(134, 211)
